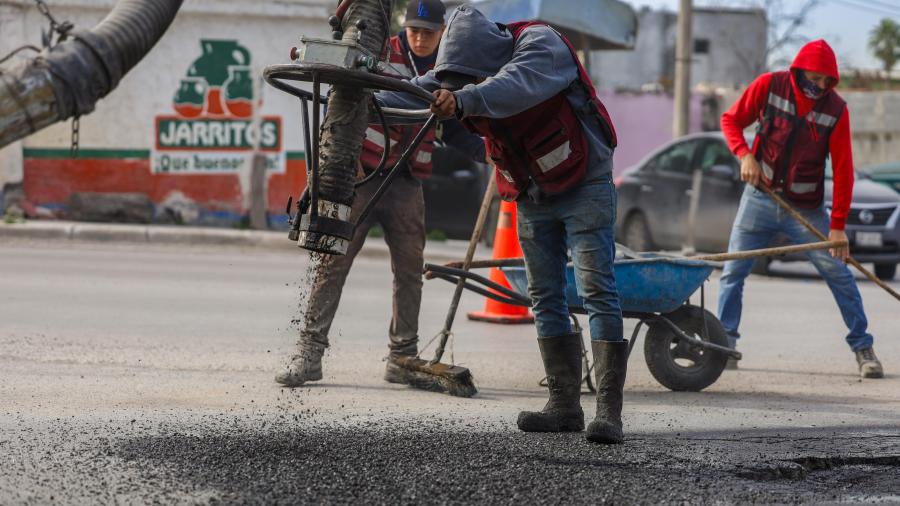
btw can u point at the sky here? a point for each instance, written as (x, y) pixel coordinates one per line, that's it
(845, 24)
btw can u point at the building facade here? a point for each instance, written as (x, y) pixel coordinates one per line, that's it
(729, 51)
(183, 126)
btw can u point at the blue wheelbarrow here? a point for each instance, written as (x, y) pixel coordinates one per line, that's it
(685, 346)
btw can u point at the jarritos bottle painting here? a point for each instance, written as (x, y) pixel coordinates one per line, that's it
(214, 129)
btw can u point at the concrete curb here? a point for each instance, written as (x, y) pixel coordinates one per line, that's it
(436, 252)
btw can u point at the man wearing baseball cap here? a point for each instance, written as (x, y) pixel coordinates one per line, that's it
(427, 14)
(400, 213)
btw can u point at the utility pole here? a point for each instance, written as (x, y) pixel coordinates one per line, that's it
(256, 180)
(684, 47)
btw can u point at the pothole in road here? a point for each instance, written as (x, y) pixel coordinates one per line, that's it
(869, 479)
(802, 468)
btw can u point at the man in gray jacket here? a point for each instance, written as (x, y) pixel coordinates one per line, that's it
(522, 87)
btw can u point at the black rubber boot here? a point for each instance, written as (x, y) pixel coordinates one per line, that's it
(562, 363)
(610, 363)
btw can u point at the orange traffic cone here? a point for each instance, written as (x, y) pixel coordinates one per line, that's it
(506, 245)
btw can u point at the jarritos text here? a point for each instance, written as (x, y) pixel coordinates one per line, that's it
(213, 129)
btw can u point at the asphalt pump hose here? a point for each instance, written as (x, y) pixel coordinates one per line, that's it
(70, 78)
(344, 127)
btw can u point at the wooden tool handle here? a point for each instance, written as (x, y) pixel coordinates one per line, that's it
(719, 257)
(768, 252)
(477, 232)
(809, 226)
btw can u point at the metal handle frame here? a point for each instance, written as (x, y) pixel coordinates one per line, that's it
(486, 287)
(276, 75)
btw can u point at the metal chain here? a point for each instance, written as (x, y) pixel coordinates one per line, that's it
(62, 29)
(45, 10)
(76, 125)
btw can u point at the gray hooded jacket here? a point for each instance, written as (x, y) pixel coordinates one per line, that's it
(518, 75)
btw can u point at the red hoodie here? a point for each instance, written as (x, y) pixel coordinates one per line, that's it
(816, 56)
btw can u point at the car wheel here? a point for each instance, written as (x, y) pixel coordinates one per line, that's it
(637, 234)
(885, 272)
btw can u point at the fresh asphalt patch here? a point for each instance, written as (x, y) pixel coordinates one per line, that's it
(227, 459)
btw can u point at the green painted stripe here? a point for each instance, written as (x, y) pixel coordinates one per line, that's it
(113, 153)
(85, 153)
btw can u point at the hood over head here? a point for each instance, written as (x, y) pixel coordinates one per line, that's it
(817, 56)
(472, 46)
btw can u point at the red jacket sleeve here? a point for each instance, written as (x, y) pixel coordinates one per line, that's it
(842, 167)
(744, 113)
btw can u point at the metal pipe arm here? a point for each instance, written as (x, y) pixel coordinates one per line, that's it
(405, 116)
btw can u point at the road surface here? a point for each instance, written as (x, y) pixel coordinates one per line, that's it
(131, 374)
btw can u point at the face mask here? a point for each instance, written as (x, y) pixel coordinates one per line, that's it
(808, 87)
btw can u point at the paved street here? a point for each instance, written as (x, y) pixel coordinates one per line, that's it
(144, 373)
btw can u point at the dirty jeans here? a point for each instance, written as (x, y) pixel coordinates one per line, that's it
(401, 214)
(580, 220)
(758, 220)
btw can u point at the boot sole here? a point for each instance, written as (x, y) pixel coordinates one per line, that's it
(604, 434)
(533, 421)
(296, 383)
(561, 428)
(604, 439)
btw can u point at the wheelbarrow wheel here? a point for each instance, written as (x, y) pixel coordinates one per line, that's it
(677, 365)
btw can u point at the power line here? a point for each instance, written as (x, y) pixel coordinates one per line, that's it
(883, 11)
(876, 8)
(884, 4)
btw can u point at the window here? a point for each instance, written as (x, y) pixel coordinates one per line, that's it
(701, 46)
(677, 159)
(717, 153)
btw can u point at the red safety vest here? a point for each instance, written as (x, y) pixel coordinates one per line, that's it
(792, 150)
(545, 143)
(402, 135)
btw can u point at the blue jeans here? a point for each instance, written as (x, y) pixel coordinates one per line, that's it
(758, 220)
(581, 220)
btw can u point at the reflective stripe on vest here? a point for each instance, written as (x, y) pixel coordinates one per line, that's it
(506, 175)
(423, 156)
(804, 187)
(555, 157)
(826, 120)
(781, 104)
(377, 138)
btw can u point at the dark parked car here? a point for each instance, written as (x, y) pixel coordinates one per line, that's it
(887, 174)
(654, 198)
(453, 194)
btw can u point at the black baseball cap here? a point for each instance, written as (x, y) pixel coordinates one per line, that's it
(428, 14)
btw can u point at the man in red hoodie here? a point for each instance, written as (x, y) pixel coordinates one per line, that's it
(802, 121)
